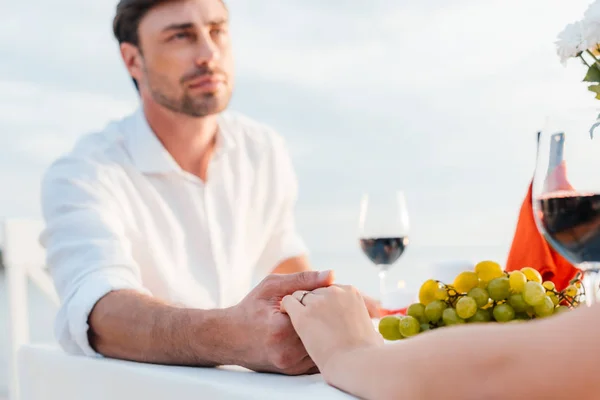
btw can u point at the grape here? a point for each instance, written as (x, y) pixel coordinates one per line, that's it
(522, 316)
(480, 316)
(417, 310)
(434, 310)
(532, 274)
(389, 327)
(545, 309)
(517, 302)
(499, 288)
(450, 317)
(441, 294)
(480, 296)
(560, 309)
(534, 293)
(409, 326)
(488, 270)
(503, 313)
(427, 291)
(571, 291)
(530, 312)
(487, 294)
(466, 307)
(466, 281)
(517, 281)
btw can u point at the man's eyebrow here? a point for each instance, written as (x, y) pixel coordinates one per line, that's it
(178, 27)
(189, 25)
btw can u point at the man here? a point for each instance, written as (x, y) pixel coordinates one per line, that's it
(157, 227)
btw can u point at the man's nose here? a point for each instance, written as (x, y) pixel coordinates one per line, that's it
(207, 51)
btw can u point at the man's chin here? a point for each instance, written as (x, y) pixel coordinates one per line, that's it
(204, 107)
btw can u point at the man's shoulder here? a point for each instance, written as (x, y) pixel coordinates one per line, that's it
(248, 131)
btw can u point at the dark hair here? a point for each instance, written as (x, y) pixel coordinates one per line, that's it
(127, 21)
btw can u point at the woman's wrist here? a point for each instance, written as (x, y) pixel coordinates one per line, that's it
(341, 361)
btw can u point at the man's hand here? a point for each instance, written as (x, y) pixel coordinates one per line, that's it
(265, 337)
(301, 264)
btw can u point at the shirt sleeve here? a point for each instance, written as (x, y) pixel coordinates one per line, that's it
(88, 253)
(284, 241)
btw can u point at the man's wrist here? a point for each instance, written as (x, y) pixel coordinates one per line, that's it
(213, 336)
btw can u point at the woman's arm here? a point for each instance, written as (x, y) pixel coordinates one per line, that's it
(553, 358)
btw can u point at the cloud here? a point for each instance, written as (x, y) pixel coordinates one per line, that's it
(396, 45)
(66, 44)
(41, 122)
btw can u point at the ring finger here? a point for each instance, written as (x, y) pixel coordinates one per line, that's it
(303, 296)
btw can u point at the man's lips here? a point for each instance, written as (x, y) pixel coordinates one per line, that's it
(208, 82)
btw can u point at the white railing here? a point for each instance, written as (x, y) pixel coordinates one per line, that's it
(24, 260)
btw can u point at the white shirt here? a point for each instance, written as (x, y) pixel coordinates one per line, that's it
(121, 214)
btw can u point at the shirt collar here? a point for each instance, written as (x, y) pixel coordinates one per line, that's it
(148, 153)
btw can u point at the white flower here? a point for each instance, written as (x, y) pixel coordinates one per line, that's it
(591, 26)
(570, 41)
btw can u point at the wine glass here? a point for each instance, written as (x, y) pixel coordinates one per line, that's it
(566, 191)
(383, 230)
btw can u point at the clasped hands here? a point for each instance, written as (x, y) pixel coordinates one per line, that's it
(275, 332)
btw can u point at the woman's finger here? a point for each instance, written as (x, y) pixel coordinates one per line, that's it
(291, 306)
(304, 297)
(325, 290)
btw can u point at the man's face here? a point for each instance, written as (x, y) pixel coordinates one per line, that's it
(184, 61)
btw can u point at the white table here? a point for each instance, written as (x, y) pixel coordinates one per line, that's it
(48, 373)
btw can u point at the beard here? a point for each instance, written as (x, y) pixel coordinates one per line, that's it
(166, 93)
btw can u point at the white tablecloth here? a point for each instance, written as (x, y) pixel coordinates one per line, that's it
(49, 373)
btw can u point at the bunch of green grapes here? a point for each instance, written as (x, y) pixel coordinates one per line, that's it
(487, 294)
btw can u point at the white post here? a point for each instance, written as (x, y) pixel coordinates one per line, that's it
(16, 283)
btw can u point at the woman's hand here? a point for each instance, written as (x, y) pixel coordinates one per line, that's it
(373, 306)
(331, 321)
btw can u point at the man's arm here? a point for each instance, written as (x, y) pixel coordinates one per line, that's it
(128, 325)
(254, 333)
(105, 309)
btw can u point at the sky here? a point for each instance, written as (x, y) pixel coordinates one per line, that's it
(440, 99)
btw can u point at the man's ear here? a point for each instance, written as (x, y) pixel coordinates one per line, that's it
(132, 57)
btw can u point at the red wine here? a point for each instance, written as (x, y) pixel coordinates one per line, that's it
(384, 251)
(572, 224)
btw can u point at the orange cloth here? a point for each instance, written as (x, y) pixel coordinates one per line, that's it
(530, 249)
